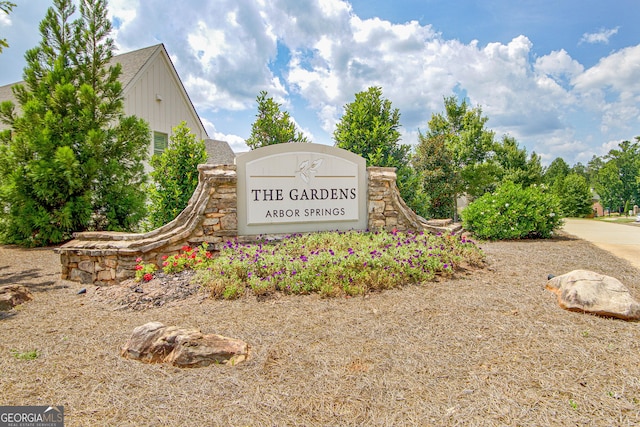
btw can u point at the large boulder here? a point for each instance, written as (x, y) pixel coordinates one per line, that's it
(12, 295)
(185, 348)
(586, 291)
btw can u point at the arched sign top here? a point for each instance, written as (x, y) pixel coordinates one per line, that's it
(300, 187)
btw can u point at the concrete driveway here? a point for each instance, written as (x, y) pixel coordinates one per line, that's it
(620, 239)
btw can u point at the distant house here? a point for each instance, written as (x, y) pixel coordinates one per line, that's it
(154, 92)
(596, 207)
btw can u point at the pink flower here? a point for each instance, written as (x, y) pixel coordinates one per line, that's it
(147, 277)
(164, 257)
(164, 264)
(138, 259)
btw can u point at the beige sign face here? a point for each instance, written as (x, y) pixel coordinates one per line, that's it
(300, 187)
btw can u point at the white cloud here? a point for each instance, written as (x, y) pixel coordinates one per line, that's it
(315, 55)
(237, 143)
(619, 71)
(601, 36)
(612, 87)
(610, 145)
(558, 64)
(5, 20)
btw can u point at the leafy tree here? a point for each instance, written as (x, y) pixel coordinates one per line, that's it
(175, 175)
(580, 169)
(468, 143)
(433, 163)
(71, 161)
(574, 194)
(6, 7)
(609, 186)
(593, 167)
(557, 169)
(369, 128)
(272, 126)
(514, 164)
(617, 181)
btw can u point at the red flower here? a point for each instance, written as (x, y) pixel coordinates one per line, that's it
(193, 256)
(139, 267)
(164, 264)
(147, 277)
(164, 257)
(186, 248)
(209, 255)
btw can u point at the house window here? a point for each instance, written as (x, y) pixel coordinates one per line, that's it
(160, 142)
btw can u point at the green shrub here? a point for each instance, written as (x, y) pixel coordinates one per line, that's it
(513, 212)
(175, 175)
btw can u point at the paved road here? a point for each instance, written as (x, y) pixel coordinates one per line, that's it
(620, 239)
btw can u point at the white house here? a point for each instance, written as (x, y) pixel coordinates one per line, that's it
(154, 92)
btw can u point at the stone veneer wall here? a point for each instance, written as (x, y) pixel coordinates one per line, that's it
(105, 258)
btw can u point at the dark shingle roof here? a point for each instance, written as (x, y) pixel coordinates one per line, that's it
(219, 152)
(132, 63)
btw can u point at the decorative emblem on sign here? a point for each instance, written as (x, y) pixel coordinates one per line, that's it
(306, 168)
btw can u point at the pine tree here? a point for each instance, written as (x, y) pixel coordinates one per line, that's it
(72, 161)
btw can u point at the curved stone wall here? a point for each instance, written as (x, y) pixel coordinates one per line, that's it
(105, 258)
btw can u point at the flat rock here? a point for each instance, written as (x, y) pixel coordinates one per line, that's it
(586, 291)
(12, 295)
(185, 348)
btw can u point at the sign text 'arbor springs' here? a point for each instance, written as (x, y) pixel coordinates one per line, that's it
(301, 187)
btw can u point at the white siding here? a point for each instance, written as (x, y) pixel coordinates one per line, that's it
(157, 79)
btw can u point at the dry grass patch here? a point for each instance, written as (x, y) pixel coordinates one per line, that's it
(486, 348)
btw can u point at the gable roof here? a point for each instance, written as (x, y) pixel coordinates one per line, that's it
(133, 64)
(219, 152)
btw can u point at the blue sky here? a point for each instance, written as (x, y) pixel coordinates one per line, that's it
(562, 77)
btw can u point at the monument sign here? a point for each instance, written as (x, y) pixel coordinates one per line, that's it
(299, 187)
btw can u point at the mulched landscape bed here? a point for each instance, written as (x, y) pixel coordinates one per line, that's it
(488, 347)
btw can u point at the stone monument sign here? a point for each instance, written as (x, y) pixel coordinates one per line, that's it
(301, 187)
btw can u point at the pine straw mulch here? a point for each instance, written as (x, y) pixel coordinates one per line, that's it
(490, 347)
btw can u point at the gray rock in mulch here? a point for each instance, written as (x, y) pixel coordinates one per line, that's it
(185, 348)
(12, 295)
(589, 292)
